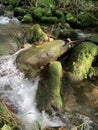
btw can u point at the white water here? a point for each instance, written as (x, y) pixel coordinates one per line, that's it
(6, 20)
(20, 92)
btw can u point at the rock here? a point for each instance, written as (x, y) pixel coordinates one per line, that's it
(27, 18)
(93, 38)
(59, 14)
(49, 19)
(71, 19)
(47, 4)
(8, 45)
(85, 19)
(68, 33)
(38, 12)
(35, 33)
(81, 60)
(38, 56)
(48, 94)
(19, 11)
(93, 72)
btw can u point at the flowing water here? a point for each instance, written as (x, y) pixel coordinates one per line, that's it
(20, 93)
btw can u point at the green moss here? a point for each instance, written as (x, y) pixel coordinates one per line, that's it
(27, 18)
(81, 60)
(48, 93)
(38, 12)
(93, 72)
(70, 18)
(36, 34)
(68, 33)
(49, 19)
(85, 19)
(93, 38)
(59, 13)
(54, 83)
(13, 2)
(47, 4)
(19, 11)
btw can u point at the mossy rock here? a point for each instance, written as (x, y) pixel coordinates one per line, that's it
(49, 19)
(85, 19)
(93, 38)
(19, 11)
(35, 33)
(35, 57)
(27, 18)
(38, 12)
(12, 3)
(70, 18)
(47, 4)
(60, 15)
(48, 93)
(81, 60)
(93, 72)
(65, 33)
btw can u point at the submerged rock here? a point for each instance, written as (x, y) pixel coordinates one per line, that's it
(36, 57)
(81, 60)
(48, 93)
(8, 45)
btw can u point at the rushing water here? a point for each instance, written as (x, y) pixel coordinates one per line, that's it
(20, 92)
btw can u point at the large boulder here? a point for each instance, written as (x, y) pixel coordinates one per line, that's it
(36, 57)
(82, 60)
(48, 93)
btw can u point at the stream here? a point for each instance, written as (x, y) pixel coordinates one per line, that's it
(20, 93)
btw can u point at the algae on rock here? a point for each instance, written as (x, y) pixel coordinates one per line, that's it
(81, 60)
(48, 93)
(35, 33)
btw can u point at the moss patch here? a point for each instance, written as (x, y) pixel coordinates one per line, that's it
(48, 94)
(81, 60)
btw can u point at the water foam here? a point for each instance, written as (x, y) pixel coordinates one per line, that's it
(6, 20)
(20, 92)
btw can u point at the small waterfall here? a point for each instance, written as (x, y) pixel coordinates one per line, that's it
(20, 92)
